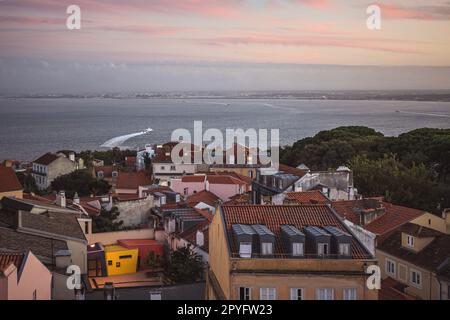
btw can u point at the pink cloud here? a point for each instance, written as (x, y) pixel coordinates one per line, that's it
(431, 12)
(381, 45)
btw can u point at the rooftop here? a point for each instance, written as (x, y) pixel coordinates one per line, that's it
(203, 196)
(394, 216)
(274, 217)
(431, 257)
(8, 180)
(307, 197)
(8, 258)
(46, 159)
(132, 180)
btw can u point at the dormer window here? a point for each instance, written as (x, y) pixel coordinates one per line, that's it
(322, 249)
(266, 248)
(344, 249)
(280, 184)
(410, 241)
(245, 249)
(297, 249)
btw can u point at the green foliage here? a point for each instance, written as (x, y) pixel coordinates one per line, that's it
(82, 182)
(184, 265)
(109, 157)
(106, 221)
(28, 183)
(154, 261)
(415, 186)
(412, 169)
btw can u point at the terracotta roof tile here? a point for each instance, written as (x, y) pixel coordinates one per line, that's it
(8, 180)
(430, 258)
(311, 197)
(191, 234)
(193, 178)
(132, 180)
(203, 196)
(274, 216)
(8, 258)
(394, 216)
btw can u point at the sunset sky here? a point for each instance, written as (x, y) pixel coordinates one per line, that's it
(223, 44)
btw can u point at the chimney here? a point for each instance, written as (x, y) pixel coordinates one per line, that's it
(76, 199)
(200, 238)
(61, 199)
(72, 156)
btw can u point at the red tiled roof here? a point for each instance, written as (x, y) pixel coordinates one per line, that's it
(239, 199)
(295, 171)
(219, 179)
(431, 257)
(8, 180)
(391, 289)
(132, 180)
(394, 217)
(273, 217)
(191, 234)
(203, 196)
(238, 176)
(193, 178)
(163, 155)
(8, 258)
(314, 196)
(107, 170)
(46, 159)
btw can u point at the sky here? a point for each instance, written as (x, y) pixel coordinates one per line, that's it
(173, 45)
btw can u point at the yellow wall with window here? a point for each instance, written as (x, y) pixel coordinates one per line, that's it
(120, 260)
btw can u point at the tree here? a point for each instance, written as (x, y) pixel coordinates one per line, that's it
(184, 264)
(154, 261)
(28, 183)
(81, 182)
(106, 221)
(415, 187)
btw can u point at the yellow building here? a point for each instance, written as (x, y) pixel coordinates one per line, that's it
(300, 252)
(120, 260)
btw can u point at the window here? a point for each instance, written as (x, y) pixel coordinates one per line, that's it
(86, 227)
(109, 262)
(245, 250)
(349, 294)
(117, 264)
(244, 293)
(322, 249)
(266, 248)
(390, 267)
(416, 278)
(297, 249)
(173, 168)
(34, 295)
(163, 168)
(344, 249)
(325, 294)
(280, 184)
(267, 294)
(410, 241)
(297, 294)
(125, 257)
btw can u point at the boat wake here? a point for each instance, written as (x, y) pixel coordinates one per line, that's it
(118, 141)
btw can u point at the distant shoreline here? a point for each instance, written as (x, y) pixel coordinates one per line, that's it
(341, 95)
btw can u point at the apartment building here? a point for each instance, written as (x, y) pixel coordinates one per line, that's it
(286, 252)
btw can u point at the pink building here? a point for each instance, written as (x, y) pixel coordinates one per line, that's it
(23, 277)
(222, 185)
